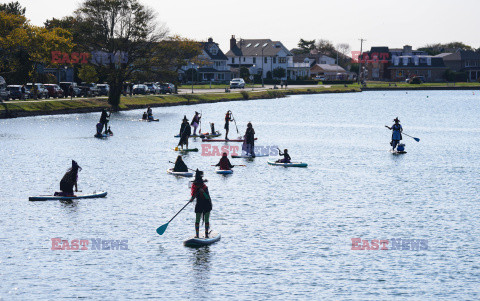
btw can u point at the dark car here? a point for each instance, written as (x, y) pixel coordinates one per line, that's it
(152, 88)
(103, 89)
(54, 90)
(167, 88)
(16, 92)
(140, 89)
(65, 86)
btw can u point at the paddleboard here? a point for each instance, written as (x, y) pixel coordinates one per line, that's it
(292, 164)
(204, 135)
(249, 156)
(397, 152)
(67, 198)
(102, 135)
(180, 173)
(223, 140)
(223, 172)
(213, 237)
(149, 120)
(186, 150)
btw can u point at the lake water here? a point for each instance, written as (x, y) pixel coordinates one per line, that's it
(286, 233)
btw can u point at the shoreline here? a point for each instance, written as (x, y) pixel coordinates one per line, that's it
(91, 105)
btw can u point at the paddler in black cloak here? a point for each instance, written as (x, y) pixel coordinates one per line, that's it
(69, 180)
(180, 166)
(250, 140)
(185, 132)
(204, 202)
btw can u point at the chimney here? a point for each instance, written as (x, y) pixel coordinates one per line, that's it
(210, 40)
(233, 42)
(407, 49)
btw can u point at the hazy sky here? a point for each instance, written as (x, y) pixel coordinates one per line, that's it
(382, 23)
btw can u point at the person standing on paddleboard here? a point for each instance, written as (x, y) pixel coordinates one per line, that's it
(397, 133)
(104, 118)
(250, 140)
(204, 203)
(149, 113)
(224, 163)
(196, 122)
(228, 118)
(180, 166)
(185, 132)
(69, 180)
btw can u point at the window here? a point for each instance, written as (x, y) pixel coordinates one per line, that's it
(254, 60)
(233, 60)
(249, 44)
(265, 60)
(244, 59)
(282, 60)
(274, 60)
(256, 45)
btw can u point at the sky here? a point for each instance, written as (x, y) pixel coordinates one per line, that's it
(381, 23)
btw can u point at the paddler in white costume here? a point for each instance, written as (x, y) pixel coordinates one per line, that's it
(396, 134)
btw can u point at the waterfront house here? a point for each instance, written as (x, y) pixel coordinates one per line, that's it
(463, 61)
(262, 56)
(329, 71)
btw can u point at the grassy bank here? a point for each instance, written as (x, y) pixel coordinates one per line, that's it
(50, 107)
(403, 85)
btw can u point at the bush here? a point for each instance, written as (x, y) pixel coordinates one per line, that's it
(245, 94)
(415, 81)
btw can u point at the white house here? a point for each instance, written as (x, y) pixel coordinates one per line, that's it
(262, 56)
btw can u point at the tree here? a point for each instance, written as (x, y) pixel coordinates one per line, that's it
(343, 49)
(121, 28)
(434, 49)
(326, 47)
(279, 72)
(13, 8)
(88, 74)
(306, 45)
(244, 72)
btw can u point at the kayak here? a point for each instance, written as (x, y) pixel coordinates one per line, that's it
(102, 135)
(249, 156)
(223, 172)
(398, 152)
(291, 164)
(203, 135)
(213, 237)
(149, 120)
(67, 198)
(186, 150)
(180, 173)
(223, 140)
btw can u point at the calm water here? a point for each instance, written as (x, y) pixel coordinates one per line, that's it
(286, 233)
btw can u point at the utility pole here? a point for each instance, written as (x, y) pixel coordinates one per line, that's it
(360, 60)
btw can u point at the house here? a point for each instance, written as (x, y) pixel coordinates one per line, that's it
(463, 61)
(329, 71)
(262, 56)
(313, 57)
(398, 64)
(211, 65)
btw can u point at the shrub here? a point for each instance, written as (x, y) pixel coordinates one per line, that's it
(245, 94)
(415, 81)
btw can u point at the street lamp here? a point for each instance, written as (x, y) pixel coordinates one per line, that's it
(253, 79)
(263, 47)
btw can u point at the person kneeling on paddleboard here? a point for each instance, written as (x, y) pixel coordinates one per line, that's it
(99, 129)
(185, 132)
(180, 166)
(286, 156)
(109, 132)
(69, 180)
(204, 202)
(144, 116)
(397, 133)
(224, 163)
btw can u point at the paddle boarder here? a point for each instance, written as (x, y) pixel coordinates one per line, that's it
(109, 132)
(180, 166)
(224, 163)
(149, 113)
(396, 134)
(196, 122)
(104, 118)
(250, 140)
(70, 180)
(144, 116)
(204, 203)
(228, 118)
(185, 132)
(286, 156)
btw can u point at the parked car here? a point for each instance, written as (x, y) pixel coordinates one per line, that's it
(140, 89)
(103, 89)
(16, 92)
(237, 83)
(4, 92)
(54, 90)
(167, 88)
(89, 89)
(152, 88)
(320, 77)
(66, 88)
(422, 79)
(42, 92)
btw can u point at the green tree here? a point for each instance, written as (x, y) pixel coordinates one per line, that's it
(306, 45)
(13, 8)
(279, 72)
(88, 74)
(244, 72)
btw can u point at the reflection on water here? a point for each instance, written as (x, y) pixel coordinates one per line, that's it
(201, 262)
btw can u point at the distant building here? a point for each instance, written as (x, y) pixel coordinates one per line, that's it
(211, 65)
(313, 57)
(330, 72)
(262, 56)
(463, 61)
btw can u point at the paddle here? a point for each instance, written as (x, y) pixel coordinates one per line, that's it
(162, 228)
(233, 165)
(236, 125)
(416, 139)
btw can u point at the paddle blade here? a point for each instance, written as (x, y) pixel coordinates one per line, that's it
(417, 139)
(162, 228)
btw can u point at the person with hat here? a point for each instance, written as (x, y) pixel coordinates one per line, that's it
(185, 132)
(204, 202)
(196, 122)
(396, 134)
(70, 180)
(250, 140)
(224, 163)
(228, 118)
(180, 166)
